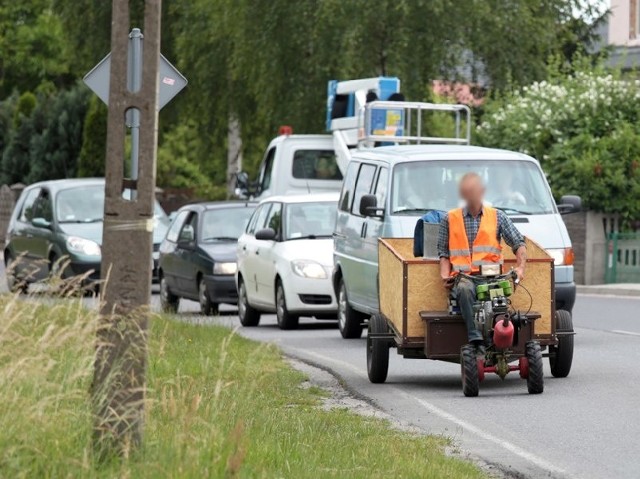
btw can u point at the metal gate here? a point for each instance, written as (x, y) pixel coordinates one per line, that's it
(623, 258)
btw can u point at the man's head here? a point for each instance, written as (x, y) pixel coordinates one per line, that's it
(472, 190)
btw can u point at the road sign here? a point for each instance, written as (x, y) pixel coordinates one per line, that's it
(171, 80)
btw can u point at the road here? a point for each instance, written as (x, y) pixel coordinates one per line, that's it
(584, 426)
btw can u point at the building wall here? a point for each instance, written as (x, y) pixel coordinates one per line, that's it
(622, 23)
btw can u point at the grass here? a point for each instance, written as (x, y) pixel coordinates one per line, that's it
(218, 405)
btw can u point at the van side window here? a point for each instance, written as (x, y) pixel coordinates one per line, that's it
(267, 169)
(381, 187)
(363, 186)
(26, 215)
(346, 196)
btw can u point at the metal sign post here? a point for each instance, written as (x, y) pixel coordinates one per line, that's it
(119, 382)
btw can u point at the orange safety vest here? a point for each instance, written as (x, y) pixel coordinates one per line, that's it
(486, 248)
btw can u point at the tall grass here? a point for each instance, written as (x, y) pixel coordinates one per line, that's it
(217, 405)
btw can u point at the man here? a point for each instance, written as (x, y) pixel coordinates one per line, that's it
(470, 236)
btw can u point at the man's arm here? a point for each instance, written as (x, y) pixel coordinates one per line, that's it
(443, 251)
(515, 240)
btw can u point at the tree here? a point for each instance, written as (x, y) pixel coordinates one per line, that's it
(94, 140)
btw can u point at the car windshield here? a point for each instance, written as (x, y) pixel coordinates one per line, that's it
(85, 204)
(224, 224)
(310, 220)
(517, 187)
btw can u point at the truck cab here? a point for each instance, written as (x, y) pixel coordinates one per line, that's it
(296, 164)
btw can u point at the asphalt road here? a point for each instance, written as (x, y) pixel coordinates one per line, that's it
(584, 426)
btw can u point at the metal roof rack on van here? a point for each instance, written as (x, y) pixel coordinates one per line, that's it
(391, 122)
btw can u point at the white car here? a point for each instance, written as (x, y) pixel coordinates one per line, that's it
(285, 260)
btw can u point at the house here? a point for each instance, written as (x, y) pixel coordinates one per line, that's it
(623, 34)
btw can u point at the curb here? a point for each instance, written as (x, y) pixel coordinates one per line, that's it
(608, 290)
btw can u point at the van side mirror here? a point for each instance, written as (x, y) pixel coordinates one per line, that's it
(570, 204)
(41, 223)
(266, 234)
(369, 206)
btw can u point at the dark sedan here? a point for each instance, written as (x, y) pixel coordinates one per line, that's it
(198, 255)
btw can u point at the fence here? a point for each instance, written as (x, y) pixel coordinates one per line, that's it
(623, 258)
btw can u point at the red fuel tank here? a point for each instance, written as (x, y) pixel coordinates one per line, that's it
(503, 333)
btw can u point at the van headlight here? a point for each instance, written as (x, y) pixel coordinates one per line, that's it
(83, 246)
(561, 256)
(308, 269)
(226, 269)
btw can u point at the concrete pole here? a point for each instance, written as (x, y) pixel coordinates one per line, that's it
(118, 389)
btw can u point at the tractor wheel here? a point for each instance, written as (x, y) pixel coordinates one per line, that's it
(561, 355)
(248, 316)
(377, 351)
(469, 366)
(349, 320)
(535, 378)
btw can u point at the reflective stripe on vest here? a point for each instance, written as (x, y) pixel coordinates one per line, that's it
(486, 248)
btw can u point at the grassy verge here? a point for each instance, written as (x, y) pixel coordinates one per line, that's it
(218, 406)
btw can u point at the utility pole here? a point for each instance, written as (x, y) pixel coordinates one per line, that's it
(119, 382)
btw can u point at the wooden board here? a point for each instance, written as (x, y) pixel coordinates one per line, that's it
(401, 302)
(391, 270)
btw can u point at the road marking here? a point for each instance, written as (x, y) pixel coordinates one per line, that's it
(628, 333)
(518, 451)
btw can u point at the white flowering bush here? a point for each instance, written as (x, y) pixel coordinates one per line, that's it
(583, 128)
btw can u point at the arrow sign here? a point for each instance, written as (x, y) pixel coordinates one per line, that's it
(171, 80)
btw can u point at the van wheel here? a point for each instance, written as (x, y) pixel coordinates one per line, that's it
(14, 284)
(286, 320)
(349, 320)
(247, 314)
(169, 302)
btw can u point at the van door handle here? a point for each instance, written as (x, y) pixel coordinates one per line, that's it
(257, 251)
(244, 248)
(363, 231)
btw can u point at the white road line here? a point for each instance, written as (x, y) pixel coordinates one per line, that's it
(628, 333)
(518, 451)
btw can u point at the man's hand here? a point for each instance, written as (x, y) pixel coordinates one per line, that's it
(519, 273)
(447, 282)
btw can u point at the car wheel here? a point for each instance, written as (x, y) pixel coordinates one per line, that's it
(14, 284)
(169, 302)
(286, 320)
(349, 320)
(207, 307)
(247, 314)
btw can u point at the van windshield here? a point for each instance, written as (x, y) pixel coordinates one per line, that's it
(517, 187)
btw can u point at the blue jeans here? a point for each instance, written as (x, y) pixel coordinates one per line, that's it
(465, 293)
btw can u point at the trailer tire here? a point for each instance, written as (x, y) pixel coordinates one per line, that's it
(535, 379)
(469, 366)
(561, 355)
(349, 320)
(377, 351)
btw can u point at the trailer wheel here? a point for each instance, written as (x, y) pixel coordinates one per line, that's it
(561, 355)
(469, 366)
(377, 351)
(535, 379)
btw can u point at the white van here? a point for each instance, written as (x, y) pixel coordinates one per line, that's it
(387, 189)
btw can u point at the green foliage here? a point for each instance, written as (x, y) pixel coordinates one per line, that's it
(94, 140)
(582, 127)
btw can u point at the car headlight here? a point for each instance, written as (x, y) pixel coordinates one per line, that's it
(561, 256)
(225, 268)
(83, 246)
(308, 269)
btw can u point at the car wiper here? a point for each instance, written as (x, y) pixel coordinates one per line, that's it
(309, 237)
(219, 238)
(410, 210)
(512, 210)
